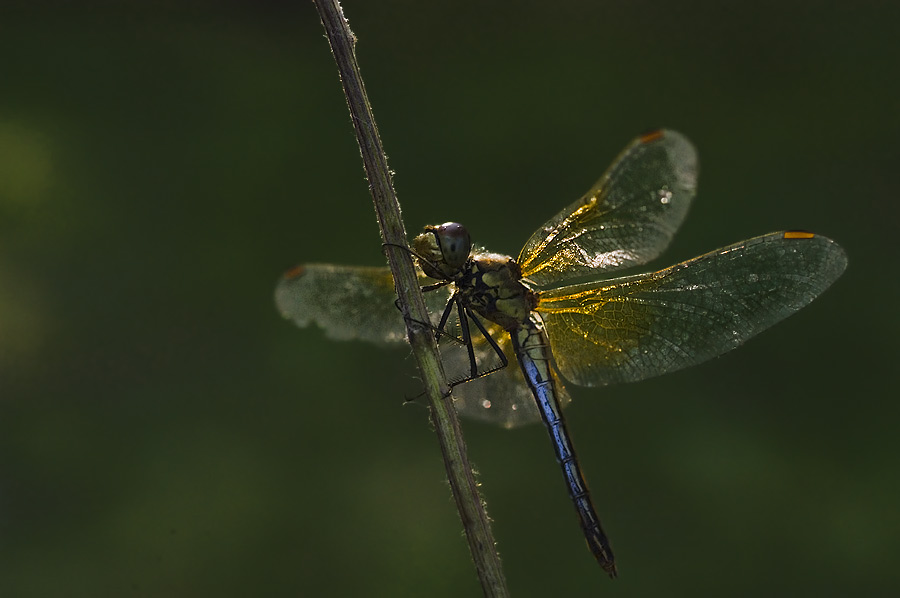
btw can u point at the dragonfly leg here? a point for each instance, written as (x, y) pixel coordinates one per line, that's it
(465, 316)
(494, 346)
(425, 289)
(448, 309)
(467, 338)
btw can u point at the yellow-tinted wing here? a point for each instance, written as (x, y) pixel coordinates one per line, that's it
(626, 219)
(632, 328)
(349, 302)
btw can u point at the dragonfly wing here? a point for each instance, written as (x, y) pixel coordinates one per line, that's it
(348, 302)
(632, 328)
(627, 218)
(500, 397)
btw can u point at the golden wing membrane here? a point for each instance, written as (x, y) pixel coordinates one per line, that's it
(627, 218)
(349, 302)
(628, 329)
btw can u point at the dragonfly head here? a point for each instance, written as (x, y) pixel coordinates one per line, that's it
(443, 249)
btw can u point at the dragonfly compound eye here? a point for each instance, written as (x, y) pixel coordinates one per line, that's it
(455, 243)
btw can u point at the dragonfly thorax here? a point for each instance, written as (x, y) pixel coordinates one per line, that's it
(492, 287)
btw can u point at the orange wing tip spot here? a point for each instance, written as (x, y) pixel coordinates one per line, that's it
(798, 234)
(652, 136)
(295, 272)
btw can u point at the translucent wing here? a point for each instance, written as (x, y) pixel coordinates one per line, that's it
(626, 219)
(637, 327)
(358, 303)
(501, 397)
(349, 302)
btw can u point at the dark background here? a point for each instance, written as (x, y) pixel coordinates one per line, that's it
(164, 433)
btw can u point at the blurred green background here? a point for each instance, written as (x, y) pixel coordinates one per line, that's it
(164, 433)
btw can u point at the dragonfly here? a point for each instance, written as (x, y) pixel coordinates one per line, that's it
(562, 312)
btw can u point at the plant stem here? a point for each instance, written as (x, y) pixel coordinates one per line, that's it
(393, 233)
